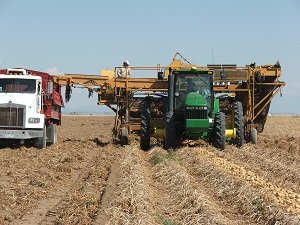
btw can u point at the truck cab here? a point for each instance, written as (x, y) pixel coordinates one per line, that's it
(22, 108)
(20, 101)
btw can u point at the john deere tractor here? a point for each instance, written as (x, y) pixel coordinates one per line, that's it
(192, 112)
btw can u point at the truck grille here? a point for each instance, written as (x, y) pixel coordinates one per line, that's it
(197, 113)
(11, 116)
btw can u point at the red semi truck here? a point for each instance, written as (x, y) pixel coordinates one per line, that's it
(30, 107)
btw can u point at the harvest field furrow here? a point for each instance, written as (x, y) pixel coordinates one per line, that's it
(188, 200)
(133, 203)
(251, 195)
(87, 179)
(80, 205)
(275, 169)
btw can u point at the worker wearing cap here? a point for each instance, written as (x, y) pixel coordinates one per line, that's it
(125, 71)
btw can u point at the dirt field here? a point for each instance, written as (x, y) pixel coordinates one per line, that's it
(86, 179)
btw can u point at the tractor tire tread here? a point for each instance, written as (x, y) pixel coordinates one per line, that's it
(238, 123)
(170, 133)
(145, 131)
(218, 136)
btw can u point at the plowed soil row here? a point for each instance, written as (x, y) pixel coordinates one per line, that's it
(188, 201)
(86, 179)
(62, 184)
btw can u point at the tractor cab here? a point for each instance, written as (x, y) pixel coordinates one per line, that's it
(193, 110)
(193, 102)
(193, 92)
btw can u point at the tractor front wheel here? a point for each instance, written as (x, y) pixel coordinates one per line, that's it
(218, 133)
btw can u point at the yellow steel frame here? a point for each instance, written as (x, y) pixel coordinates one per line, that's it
(107, 87)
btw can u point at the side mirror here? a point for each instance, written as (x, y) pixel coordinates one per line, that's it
(50, 87)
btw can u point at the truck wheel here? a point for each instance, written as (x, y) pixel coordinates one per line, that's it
(51, 134)
(145, 126)
(124, 136)
(218, 133)
(41, 142)
(238, 123)
(253, 135)
(170, 132)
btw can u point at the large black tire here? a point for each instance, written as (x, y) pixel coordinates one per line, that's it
(170, 132)
(145, 131)
(51, 134)
(41, 142)
(238, 123)
(218, 132)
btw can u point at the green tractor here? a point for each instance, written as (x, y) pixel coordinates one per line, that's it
(192, 111)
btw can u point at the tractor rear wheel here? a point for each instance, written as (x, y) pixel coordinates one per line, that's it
(218, 133)
(238, 123)
(170, 132)
(145, 131)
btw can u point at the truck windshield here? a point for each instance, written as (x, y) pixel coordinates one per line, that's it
(13, 85)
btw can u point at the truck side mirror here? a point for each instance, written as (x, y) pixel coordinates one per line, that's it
(39, 87)
(50, 87)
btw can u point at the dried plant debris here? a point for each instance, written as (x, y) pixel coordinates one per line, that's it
(87, 179)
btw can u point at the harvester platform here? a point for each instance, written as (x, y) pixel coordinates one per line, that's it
(254, 86)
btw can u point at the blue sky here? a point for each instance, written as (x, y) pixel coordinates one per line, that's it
(73, 36)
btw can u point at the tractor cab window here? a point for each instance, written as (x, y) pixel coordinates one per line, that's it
(12, 85)
(187, 83)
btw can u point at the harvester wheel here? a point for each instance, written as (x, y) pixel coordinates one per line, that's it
(124, 136)
(145, 126)
(218, 133)
(238, 123)
(170, 132)
(41, 142)
(253, 135)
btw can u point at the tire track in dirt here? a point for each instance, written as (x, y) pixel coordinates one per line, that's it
(40, 185)
(37, 214)
(81, 202)
(256, 197)
(109, 191)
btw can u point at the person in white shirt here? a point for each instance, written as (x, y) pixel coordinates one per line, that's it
(125, 71)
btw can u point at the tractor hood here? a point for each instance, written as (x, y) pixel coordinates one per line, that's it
(195, 99)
